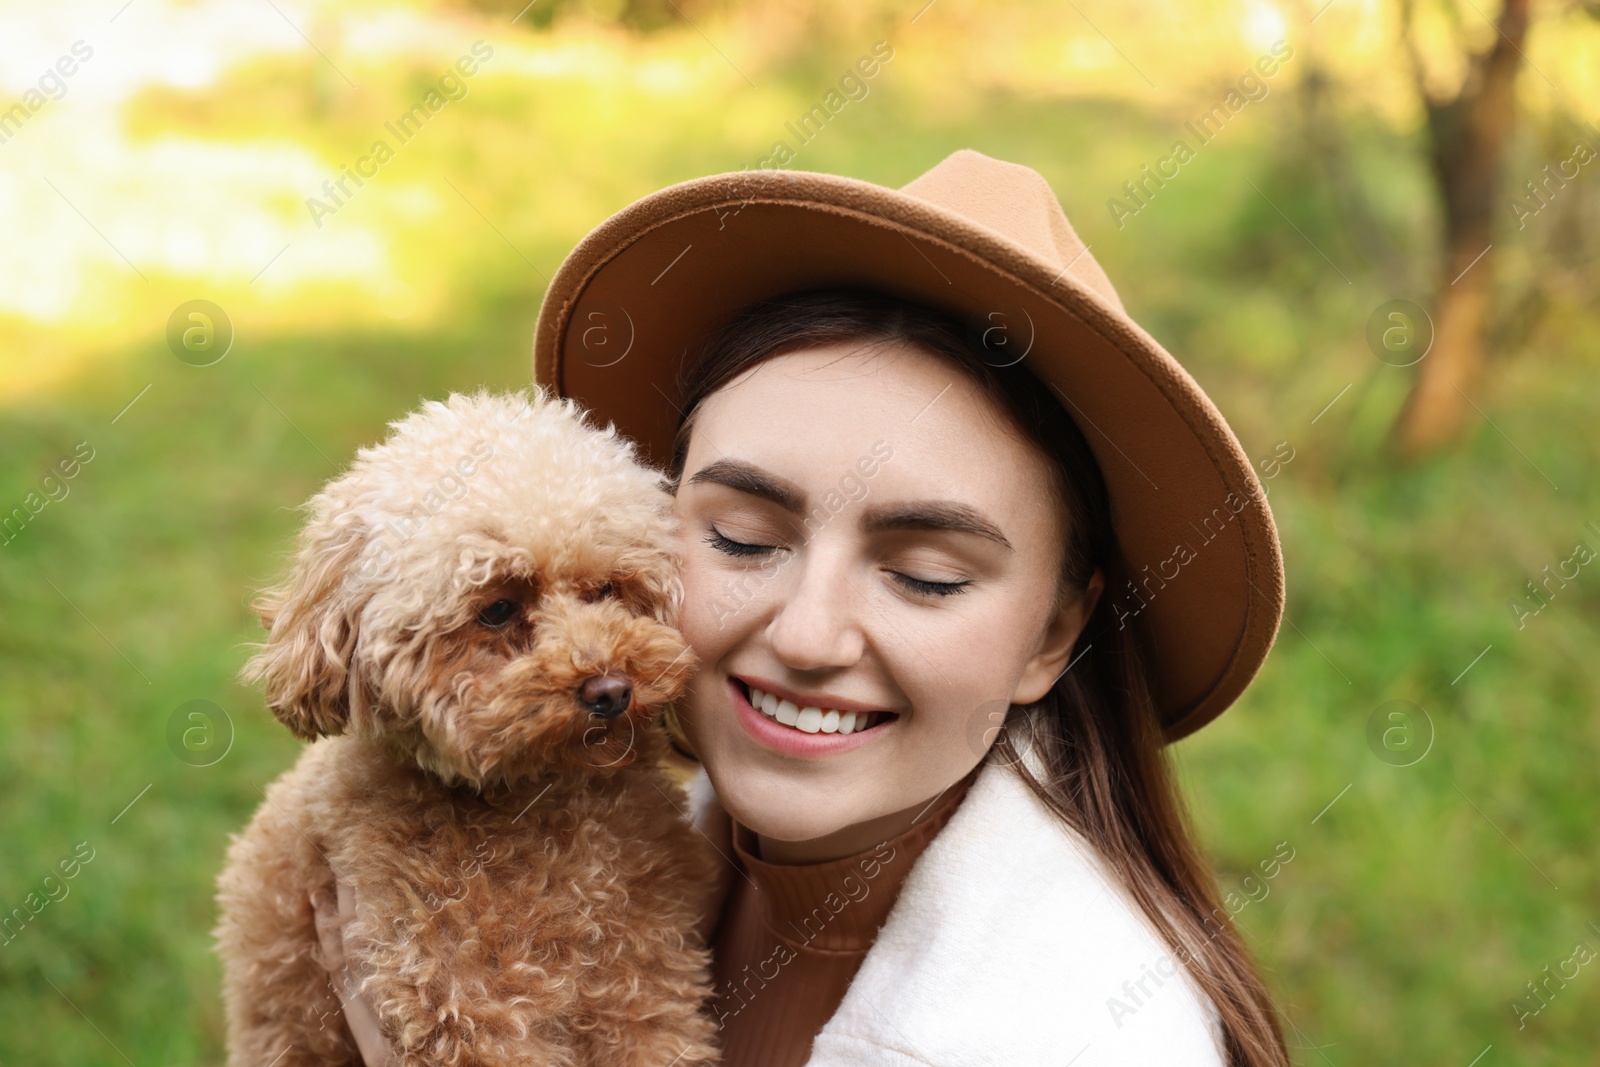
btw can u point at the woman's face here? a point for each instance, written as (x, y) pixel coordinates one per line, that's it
(862, 533)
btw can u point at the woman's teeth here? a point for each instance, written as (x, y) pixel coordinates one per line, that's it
(812, 720)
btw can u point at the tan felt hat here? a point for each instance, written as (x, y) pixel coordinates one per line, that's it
(987, 241)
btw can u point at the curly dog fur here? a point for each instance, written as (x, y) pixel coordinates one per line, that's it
(528, 893)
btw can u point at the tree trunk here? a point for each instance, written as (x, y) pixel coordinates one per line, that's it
(1467, 137)
(1436, 407)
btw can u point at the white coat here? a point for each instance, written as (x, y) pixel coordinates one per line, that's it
(1009, 946)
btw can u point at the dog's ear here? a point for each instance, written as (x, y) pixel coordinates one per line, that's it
(311, 632)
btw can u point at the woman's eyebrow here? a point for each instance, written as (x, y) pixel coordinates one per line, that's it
(748, 478)
(930, 515)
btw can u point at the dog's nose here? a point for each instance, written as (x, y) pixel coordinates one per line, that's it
(606, 695)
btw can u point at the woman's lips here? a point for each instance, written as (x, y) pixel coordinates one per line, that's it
(770, 733)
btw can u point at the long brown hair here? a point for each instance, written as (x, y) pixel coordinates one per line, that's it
(1097, 730)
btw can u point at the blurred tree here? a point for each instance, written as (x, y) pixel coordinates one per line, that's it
(1328, 159)
(1467, 133)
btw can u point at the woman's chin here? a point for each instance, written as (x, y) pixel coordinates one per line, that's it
(776, 808)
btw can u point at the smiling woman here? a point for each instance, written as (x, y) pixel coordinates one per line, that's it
(847, 702)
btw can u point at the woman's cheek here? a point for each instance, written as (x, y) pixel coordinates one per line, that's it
(965, 703)
(698, 617)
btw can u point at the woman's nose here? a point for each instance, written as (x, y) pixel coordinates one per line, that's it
(816, 624)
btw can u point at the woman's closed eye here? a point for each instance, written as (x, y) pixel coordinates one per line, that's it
(928, 588)
(727, 545)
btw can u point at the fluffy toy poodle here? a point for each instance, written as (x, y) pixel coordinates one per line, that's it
(476, 634)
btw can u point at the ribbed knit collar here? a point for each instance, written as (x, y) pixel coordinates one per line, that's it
(838, 905)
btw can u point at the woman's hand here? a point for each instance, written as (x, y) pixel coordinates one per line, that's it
(332, 921)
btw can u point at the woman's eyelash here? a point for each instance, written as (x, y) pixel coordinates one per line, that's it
(930, 588)
(734, 548)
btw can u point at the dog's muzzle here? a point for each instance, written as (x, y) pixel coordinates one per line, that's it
(606, 695)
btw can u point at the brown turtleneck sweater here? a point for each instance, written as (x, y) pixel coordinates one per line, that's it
(792, 936)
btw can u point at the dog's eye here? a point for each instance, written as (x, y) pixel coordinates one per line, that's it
(499, 613)
(600, 593)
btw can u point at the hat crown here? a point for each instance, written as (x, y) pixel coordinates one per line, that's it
(1017, 203)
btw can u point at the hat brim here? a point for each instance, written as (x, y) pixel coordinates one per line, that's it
(1205, 575)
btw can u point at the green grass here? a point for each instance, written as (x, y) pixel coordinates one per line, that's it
(1416, 906)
